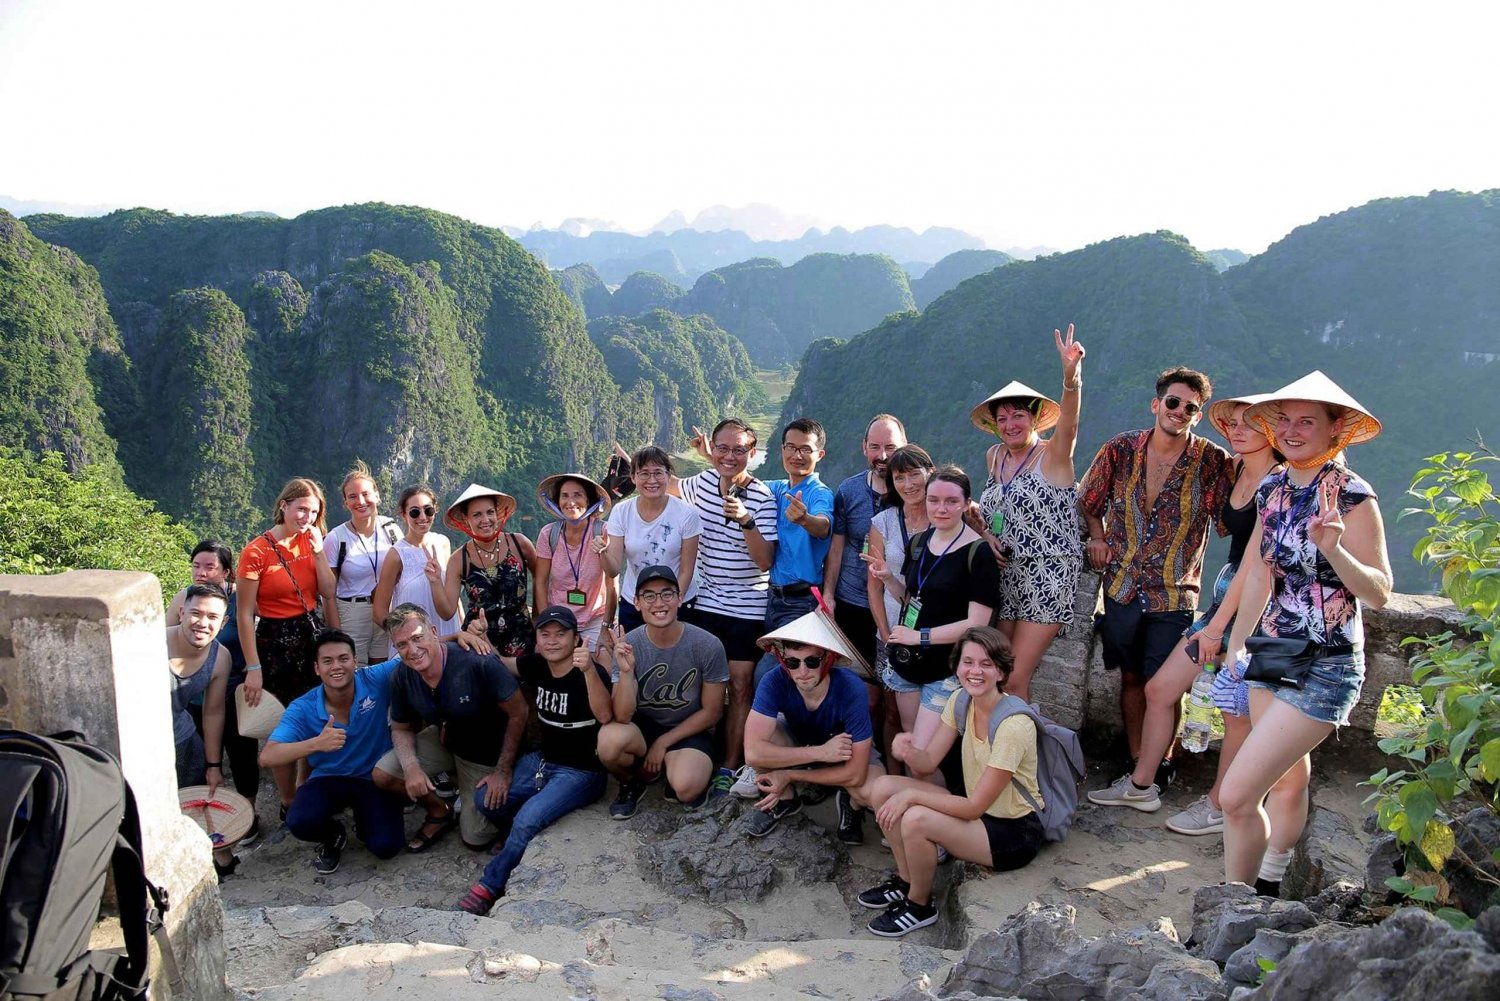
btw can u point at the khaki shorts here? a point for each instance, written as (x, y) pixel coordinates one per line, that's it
(371, 644)
(434, 757)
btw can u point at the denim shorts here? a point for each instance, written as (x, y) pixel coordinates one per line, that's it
(934, 694)
(1331, 689)
(1231, 693)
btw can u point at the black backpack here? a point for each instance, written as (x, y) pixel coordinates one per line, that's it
(69, 819)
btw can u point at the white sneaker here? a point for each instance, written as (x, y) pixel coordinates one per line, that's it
(744, 784)
(1200, 818)
(1122, 792)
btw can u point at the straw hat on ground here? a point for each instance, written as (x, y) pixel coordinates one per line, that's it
(225, 817)
(548, 489)
(813, 629)
(505, 504)
(1220, 411)
(1359, 424)
(1046, 416)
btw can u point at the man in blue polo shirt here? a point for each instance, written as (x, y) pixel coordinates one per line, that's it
(341, 728)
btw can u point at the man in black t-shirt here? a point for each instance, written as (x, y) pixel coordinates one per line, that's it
(451, 711)
(572, 702)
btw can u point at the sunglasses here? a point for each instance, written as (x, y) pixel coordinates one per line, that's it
(1173, 402)
(811, 662)
(421, 512)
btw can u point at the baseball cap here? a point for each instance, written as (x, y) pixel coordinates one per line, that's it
(655, 571)
(558, 613)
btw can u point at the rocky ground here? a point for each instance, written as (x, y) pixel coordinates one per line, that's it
(685, 906)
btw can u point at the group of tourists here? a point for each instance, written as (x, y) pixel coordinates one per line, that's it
(785, 640)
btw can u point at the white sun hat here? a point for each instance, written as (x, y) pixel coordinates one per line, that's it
(1219, 411)
(1047, 413)
(818, 629)
(1359, 424)
(505, 504)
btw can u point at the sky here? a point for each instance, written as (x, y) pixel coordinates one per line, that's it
(1028, 124)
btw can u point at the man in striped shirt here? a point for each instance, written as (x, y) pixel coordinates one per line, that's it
(1148, 499)
(735, 553)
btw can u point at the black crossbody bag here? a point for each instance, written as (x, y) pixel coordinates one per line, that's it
(312, 613)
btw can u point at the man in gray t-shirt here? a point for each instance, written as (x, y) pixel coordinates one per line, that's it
(669, 682)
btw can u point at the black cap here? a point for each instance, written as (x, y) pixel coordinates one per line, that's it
(655, 571)
(558, 613)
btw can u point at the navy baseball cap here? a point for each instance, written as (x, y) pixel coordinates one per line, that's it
(558, 613)
(656, 571)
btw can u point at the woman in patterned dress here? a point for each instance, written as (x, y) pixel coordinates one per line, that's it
(491, 569)
(1029, 511)
(1322, 555)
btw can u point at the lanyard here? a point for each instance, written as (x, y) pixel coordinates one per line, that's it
(922, 559)
(562, 536)
(905, 535)
(1004, 483)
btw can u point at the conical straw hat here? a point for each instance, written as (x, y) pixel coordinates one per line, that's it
(225, 817)
(1359, 424)
(547, 491)
(1219, 411)
(813, 629)
(259, 720)
(1046, 418)
(504, 503)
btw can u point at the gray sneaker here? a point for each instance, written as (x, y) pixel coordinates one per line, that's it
(1122, 792)
(1200, 818)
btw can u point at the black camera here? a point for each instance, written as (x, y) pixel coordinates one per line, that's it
(901, 656)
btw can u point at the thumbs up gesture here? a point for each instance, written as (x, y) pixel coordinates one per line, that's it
(331, 738)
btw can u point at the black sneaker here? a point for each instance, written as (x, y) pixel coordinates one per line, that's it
(880, 898)
(326, 861)
(252, 835)
(899, 919)
(625, 804)
(763, 822)
(1165, 773)
(851, 819)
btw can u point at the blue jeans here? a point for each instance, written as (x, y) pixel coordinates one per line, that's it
(780, 611)
(528, 808)
(377, 815)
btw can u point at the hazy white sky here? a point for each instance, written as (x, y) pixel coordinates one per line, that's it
(1025, 123)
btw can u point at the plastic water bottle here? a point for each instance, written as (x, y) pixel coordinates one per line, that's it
(1198, 726)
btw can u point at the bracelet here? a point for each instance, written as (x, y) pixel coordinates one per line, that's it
(1075, 385)
(251, 667)
(1210, 636)
(213, 764)
(747, 524)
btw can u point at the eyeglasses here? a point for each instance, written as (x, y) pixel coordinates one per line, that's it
(655, 597)
(737, 451)
(800, 451)
(427, 511)
(651, 473)
(812, 662)
(1173, 402)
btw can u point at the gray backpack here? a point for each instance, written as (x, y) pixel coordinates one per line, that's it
(1059, 761)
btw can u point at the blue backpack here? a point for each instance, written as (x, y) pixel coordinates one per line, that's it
(1059, 761)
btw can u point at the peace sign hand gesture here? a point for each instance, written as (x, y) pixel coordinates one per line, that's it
(1326, 528)
(1071, 352)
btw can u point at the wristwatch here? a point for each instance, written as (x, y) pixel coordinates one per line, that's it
(926, 637)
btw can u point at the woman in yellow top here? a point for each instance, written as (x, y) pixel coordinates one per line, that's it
(991, 824)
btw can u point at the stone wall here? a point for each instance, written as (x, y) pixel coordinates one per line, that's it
(86, 651)
(1075, 689)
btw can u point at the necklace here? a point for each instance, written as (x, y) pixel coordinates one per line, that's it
(492, 555)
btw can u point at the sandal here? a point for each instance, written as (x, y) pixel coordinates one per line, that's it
(421, 841)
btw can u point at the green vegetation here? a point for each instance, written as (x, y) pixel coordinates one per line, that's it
(52, 520)
(582, 284)
(643, 292)
(779, 311)
(953, 270)
(1451, 753)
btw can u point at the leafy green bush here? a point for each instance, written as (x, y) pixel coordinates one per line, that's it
(1452, 750)
(52, 520)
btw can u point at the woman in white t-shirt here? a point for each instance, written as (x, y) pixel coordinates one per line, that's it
(653, 527)
(357, 550)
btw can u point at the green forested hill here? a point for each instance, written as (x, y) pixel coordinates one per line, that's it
(433, 348)
(778, 311)
(643, 292)
(583, 285)
(1399, 301)
(959, 266)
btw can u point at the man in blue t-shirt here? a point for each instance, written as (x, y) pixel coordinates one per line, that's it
(810, 723)
(341, 728)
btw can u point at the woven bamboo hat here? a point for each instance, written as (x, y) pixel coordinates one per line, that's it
(259, 720)
(1359, 424)
(813, 629)
(225, 817)
(504, 503)
(548, 489)
(1047, 412)
(1220, 411)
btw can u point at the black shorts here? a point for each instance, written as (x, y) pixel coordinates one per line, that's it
(1136, 641)
(858, 624)
(737, 635)
(1013, 843)
(651, 730)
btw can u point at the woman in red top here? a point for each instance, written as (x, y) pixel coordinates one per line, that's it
(280, 576)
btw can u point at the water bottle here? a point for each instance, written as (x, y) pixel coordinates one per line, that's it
(1198, 726)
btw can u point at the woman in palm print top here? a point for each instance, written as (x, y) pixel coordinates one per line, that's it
(1322, 552)
(491, 569)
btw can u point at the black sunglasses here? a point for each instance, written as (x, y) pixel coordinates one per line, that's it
(421, 512)
(812, 662)
(1173, 402)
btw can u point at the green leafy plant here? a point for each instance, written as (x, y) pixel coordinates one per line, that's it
(1451, 751)
(1267, 966)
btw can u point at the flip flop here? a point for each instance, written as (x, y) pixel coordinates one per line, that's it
(420, 841)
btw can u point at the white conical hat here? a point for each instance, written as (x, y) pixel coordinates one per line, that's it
(505, 504)
(1046, 417)
(1359, 425)
(1219, 410)
(547, 490)
(813, 629)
